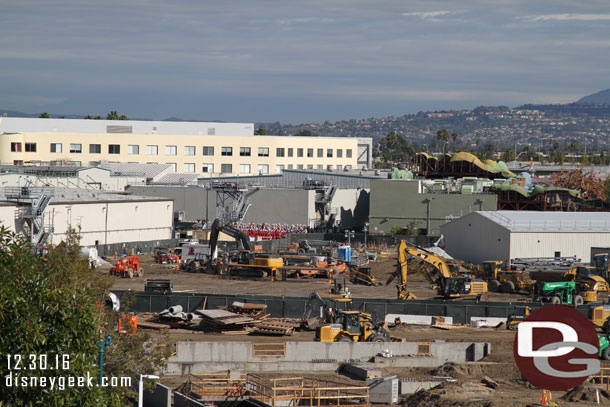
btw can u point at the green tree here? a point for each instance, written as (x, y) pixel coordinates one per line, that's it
(90, 117)
(260, 131)
(44, 115)
(393, 149)
(443, 137)
(509, 155)
(53, 306)
(113, 115)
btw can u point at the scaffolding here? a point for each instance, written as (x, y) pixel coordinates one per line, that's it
(232, 202)
(29, 216)
(278, 392)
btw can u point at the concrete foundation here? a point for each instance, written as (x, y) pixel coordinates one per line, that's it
(384, 390)
(209, 357)
(360, 372)
(410, 386)
(411, 319)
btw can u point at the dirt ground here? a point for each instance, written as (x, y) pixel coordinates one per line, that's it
(466, 391)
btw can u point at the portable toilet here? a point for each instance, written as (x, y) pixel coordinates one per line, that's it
(345, 253)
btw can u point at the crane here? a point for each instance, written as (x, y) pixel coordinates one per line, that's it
(440, 275)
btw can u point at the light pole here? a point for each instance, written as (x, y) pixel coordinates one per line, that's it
(141, 387)
(366, 229)
(349, 234)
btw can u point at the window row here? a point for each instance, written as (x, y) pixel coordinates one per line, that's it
(191, 150)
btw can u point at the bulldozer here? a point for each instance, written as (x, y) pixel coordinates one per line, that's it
(352, 326)
(127, 267)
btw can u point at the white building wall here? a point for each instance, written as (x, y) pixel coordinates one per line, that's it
(112, 222)
(7, 216)
(474, 239)
(545, 244)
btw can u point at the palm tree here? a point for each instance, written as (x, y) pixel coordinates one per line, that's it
(44, 115)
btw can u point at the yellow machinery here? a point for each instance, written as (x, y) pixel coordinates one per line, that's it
(251, 264)
(506, 281)
(440, 276)
(520, 314)
(352, 326)
(600, 316)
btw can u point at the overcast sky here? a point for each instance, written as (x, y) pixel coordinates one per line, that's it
(297, 61)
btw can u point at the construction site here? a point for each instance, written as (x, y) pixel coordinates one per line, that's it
(286, 290)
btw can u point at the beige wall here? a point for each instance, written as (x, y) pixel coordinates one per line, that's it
(44, 140)
(129, 221)
(545, 244)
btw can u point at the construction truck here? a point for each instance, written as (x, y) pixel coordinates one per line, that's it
(440, 276)
(353, 326)
(506, 281)
(600, 317)
(323, 310)
(558, 292)
(250, 264)
(127, 267)
(601, 261)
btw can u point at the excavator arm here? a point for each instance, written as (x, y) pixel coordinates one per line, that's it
(229, 230)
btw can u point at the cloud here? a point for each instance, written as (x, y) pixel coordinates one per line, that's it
(429, 15)
(566, 17)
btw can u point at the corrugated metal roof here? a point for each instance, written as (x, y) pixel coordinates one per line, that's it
(146, 170)
(536, 221)
(82, 195)
(177, 178)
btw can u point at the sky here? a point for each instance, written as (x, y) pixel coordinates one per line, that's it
(297, 61)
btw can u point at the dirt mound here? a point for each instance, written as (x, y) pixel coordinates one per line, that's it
(584, 393)
(458, 371)
(451, 395)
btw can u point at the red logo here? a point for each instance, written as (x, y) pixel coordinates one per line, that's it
(556, 348)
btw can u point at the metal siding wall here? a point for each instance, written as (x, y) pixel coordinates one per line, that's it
(545, 244)
(477, 242)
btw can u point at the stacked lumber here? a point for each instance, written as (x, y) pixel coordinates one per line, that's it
(254, 311)
(218, 320)
(277, 326)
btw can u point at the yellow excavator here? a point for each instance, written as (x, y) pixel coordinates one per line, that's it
(441, 275)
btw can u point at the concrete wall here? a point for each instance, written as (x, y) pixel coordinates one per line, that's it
(112, 221)
(208, 357)
(7, 216)
(474, 239)
(398, 202)
(160, 396)
(351, 207)
(286, 206)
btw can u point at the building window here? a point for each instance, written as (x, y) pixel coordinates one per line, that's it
(189, 150)
(348, 167)
(152, 150)
(339, 153)
(17, 162)
(208, 150)
(339, 167)
(329, 153)
(320, 167)
(171, 150)
(299, 152)
(133, 150)
(211, 131)
(15, 147)
(263, 169)
(56, 147)
(244, 168)
(300, 167)
(320, 152)
(263, 151)
(279, 152)
(76, 148)
(290, 166)
(189, 167)
(279, 169)
(173, 166)
(329, 167)
(244, 151)
(310, 152)
(226, 168)
(348, 153)
(114, 149)
(30, 147)
(290, 150)
(95, 149)
(310, 166)
(227, 151)
(207, 168)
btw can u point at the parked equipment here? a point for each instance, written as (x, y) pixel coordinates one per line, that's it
(163, 256)
(604, 347)
(520, 314)
(353, 326)
(506, 281)
(440, 275)
(558, 292)
(600, 317)
(323, 311)
(158, 286)
(127, 267)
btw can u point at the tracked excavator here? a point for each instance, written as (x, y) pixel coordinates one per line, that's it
(439, 274)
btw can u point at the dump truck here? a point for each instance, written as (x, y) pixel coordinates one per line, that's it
(353, 326)
(600, 317)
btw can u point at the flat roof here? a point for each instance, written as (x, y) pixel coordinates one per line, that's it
(540, 221)
(61, 195)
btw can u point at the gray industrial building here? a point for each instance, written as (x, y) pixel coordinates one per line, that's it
(506, 235)
(400, 202)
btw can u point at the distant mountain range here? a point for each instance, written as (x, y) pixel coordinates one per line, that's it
(602, 97)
